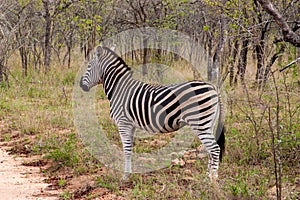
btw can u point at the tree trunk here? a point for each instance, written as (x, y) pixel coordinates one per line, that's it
(3, 74)
(232, 62)
(159, 72)
(47, 47)
(1, 71)
(217, 55)
(69, 44)
(69, 56)
(209, 61)
(271, 62)
(37, 60)
(298, 56)
(260, 46)
(23, 55)
(145, 56)
(194, 57)
(242, 62)
(288, 34)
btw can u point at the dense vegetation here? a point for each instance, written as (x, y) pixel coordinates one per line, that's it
(43, 43)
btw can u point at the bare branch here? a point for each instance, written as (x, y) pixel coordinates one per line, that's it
(288, 34)
(288, 65)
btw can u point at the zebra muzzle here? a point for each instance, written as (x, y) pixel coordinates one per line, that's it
(83, 86)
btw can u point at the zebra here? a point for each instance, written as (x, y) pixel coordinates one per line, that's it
(157, 108)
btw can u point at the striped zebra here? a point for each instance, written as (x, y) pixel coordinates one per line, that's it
(156, 108)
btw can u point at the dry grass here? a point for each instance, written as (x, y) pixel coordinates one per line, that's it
(36, 118)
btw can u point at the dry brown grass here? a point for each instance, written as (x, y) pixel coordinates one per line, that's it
(36, 118)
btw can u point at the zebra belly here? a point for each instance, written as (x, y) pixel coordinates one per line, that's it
(153, 126)
(156, 121)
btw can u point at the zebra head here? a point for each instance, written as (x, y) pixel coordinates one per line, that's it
(94, 72)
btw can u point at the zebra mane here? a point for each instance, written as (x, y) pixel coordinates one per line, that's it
(116, 55)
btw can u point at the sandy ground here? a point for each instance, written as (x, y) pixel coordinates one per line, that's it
(18, 182)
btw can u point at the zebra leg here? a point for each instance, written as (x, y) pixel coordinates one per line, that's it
(208, 140)
(127, 132)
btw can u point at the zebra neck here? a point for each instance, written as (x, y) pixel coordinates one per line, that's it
(116, 82)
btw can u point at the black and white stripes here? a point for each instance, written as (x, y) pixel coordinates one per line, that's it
(156, 108)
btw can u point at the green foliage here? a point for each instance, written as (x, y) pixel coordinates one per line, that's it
(4, 86)
(143, 189)
(66, 195)
(101, 94)
(63, 151)
(242, 184)
(23, 2)
(109, 181)
(206, 27)
(39, 105)
(246, 172)
(5, 106)
(62, 182)
(6, 137)
(36, 92)
(69, 78)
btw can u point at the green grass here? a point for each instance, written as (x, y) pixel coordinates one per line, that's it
(66, 195)
(37, 113)
(62, 182)
(62, 149)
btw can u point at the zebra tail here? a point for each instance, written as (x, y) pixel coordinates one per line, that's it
(221, 130)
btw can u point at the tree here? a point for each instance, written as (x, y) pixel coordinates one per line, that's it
(227, 30)
(289, 34)
(8, 25)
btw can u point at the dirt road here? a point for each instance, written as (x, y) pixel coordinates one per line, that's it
(18, 182)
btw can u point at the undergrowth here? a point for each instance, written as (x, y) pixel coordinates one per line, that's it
(36, 118)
